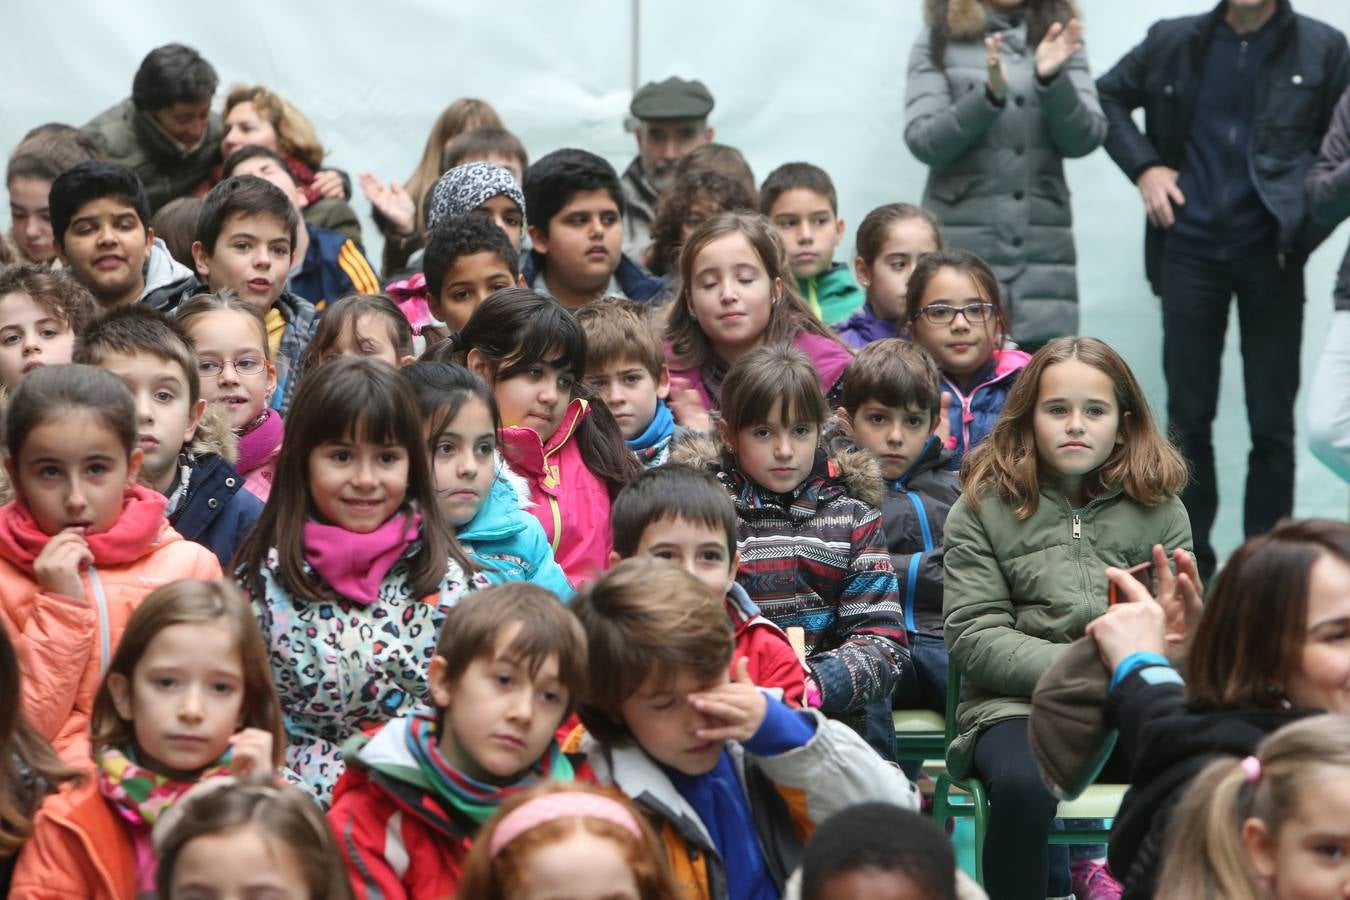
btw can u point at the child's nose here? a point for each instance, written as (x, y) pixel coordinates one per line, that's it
(192, 706)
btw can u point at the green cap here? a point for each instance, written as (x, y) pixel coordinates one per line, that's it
(673, 98)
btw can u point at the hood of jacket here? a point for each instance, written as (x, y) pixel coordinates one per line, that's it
(966, 20)
(842, 470)
(162, 269)
(214, 434)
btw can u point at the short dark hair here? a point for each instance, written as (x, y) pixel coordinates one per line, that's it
(48, 150)
(794, 175)
(172, 74)
(464, 236)
(245, 195)
(93, 180)
(554, 179)
(884, 838)
(139, 329)
(480, 143)
(253, 151)
(670, 492)
(893, 372)
(175, 224)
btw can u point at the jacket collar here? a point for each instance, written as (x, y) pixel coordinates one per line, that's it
(497, 518)
(1203, 31)
(526, 449)
(932, 456)
(820, 487)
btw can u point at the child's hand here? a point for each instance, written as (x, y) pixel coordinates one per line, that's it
(252, 752)
(393, 202)
(686, 406)
(57, 568)
(737, 708)
(329, 184)
(944, 426)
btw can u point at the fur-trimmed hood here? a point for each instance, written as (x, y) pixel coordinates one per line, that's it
(856, 471)
(966, 19)
(214, 435)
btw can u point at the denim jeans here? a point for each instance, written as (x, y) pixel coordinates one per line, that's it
(923, 683)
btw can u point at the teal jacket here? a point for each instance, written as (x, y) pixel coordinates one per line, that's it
(508, 542)
(833, 295)
(1017, 592)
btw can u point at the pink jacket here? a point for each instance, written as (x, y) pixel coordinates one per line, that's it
(829, 357)
(569, 500)
(64, 644)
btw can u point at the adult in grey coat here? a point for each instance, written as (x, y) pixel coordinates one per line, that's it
(999, 93)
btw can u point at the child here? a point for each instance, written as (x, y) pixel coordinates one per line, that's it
(362, 325)
(234, 368)
(40, 313)
(799, 199)
(43, 154)
(737, 295)
(954, 312)
(592, 841)
(81, 543)
(467, 258)
(691, 200)
(187, 697)
(626, 369)
(510, 663)
(245, 242)
(1270, 824)
(248, 838)
(576, 228)
(485, 503)
(679, 514)
(813, 552)
(350, 568)
(1075, 477)
(892, 405)
(878, 850)
(185, 443)
(532, 354)
(101, 224)
(29, 768)
(735, 778)
(331, 264)
(176, 225)
(890, 241)
(486, 144)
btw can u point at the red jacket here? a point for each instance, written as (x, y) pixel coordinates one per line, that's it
(773, 662)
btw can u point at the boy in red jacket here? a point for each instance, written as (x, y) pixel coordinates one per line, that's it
(509, 663)
(684, 515)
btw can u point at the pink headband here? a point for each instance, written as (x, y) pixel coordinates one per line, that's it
(566, 805)
(1252, 767)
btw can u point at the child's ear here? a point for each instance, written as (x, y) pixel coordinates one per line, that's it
(777, 291)
(539, 239)
(271, 383)
(839, 229)
(149, 243)
(724, 432)
(120, 691)
(663, 383)
(1120, 434)
(520, 280)
(1258, 840)
(201, 261)
(12, 470)
(194, 419)
(614, 558)
(863, 272)
(479, 365)
(134, 466)
(442, 691)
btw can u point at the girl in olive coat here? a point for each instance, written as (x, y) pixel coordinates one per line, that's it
(1075, 477)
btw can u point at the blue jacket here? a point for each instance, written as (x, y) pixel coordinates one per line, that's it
(635, 282)
(508, 541)
(973, 414)
(334, 266)
(217, 512)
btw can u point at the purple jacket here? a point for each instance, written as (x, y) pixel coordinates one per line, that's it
(864, 327)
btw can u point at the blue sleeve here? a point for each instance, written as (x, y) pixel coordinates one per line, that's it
(1137, 661)
(544, 569)
(783, 729)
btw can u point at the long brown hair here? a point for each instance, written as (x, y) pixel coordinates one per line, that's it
(192, 602)
(1206, 856)
(1144, 465)
(788, 317)
(341, 399)
(1041, 14)
(1251, 636)
(460, 116)
(488, 877)
(29, 766)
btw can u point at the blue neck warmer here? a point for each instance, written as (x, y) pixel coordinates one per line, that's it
(662, 426)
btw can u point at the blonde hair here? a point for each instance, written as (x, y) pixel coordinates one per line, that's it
(464, 114)
(296, 137)
(488, 877)
(1206, 855)
(1144, 465)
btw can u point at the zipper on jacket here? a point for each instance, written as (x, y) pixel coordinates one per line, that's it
(1077, 526)
(104, 631)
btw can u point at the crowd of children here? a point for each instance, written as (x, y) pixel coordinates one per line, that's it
(522, 567)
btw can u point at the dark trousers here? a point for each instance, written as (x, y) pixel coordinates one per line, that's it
(1270, 297)
(923, 683)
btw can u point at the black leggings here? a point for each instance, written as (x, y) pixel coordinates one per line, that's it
(1021, 813)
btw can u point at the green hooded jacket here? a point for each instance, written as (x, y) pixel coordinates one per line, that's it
(167, 169)
(833, 295)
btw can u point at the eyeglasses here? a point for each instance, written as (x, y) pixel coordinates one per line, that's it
(942, 314)
(244, 366)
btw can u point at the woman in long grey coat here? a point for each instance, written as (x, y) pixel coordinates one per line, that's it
(999, 93)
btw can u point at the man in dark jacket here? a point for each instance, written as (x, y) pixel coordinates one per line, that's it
(165, 131)
(1235, 103)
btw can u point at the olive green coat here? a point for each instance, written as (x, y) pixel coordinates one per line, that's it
(1018, 592)
(167, 170)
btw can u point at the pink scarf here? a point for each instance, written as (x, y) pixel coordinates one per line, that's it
(256, 445)
(137, 528)
(354, 564)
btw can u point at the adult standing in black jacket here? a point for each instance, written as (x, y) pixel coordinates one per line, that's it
(1235, 104)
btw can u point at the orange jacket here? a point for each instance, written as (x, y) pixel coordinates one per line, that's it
(80, 848)
(64, 644)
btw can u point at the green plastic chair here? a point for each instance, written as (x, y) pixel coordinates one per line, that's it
(966, 798)
(920, 735)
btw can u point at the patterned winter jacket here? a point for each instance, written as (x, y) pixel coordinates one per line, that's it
(343, 667)
(817, 559)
